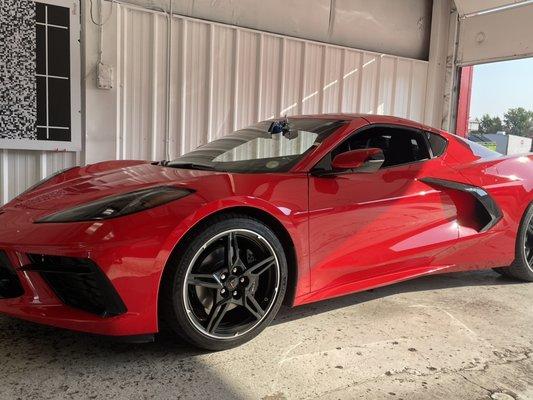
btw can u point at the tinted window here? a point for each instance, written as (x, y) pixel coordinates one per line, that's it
(254, 149)
(437, 143)
(399, 146)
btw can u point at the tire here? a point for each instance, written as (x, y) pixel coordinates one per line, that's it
(522, 267)
(225, 283)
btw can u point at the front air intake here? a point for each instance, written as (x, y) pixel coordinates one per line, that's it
(9, 282)
(79, 283)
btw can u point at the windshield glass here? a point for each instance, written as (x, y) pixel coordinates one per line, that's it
(254, 149)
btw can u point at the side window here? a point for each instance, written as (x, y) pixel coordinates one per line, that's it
(437, 143)
(399, 146)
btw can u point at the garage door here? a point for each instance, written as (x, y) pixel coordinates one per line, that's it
(494, 30)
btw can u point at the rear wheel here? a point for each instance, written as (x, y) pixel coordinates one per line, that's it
(522, 268)
(227, 285)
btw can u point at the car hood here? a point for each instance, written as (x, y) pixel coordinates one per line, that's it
(82, 185)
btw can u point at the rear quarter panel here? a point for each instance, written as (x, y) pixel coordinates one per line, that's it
(509, 181)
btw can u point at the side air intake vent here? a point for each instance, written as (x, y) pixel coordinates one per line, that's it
(485, 212)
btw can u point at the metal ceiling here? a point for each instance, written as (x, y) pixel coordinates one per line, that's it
(400, 28)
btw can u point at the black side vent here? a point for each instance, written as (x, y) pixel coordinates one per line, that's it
(487, 212)
(9, 282)
(79, 283)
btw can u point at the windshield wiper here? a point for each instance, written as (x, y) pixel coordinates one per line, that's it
(185, 165)
(162, 163)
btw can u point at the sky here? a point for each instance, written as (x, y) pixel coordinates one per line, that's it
(500, 86)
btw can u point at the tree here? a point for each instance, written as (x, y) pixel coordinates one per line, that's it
(489, 124)
(518, 121)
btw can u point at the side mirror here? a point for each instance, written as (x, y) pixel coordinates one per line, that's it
(363, 160)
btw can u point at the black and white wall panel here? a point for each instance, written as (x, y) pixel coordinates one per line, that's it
(40, 74)
(18, 100)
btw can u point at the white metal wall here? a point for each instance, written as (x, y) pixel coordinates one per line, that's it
(221, 78)
(20, 169)
(225, 77)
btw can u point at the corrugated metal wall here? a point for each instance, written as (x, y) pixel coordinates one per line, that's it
(19, 169)
(224, 78)
(221, 78)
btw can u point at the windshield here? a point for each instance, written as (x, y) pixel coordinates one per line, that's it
(254, 149)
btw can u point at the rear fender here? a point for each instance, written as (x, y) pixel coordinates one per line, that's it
(508, 180)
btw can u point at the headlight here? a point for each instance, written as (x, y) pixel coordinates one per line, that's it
(119, 205)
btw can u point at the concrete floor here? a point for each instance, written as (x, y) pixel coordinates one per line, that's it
(456, 336)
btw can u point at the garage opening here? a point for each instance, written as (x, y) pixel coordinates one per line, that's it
(495, 105)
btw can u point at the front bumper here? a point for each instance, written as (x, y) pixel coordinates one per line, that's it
(79, 301)
(129, 253)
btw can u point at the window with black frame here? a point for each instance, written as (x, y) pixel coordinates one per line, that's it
(53, 72)
(400, 146)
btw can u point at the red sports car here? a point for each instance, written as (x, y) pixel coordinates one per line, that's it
(291, 210)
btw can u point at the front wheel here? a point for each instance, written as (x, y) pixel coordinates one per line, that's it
(522, 268)
(226, 285)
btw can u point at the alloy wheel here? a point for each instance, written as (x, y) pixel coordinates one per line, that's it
(231, 284)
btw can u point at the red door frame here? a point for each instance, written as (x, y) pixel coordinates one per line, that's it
(463, 104)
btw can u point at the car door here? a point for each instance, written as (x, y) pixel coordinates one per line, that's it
(379, 225)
